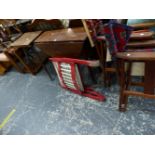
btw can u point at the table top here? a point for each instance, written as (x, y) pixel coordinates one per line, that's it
(63, 35)
(142, 56)
(26, 39)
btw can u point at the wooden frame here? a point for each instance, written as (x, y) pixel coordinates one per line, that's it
(125, 77)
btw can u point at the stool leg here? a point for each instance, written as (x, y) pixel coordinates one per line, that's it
(121, 65)
(126, 82)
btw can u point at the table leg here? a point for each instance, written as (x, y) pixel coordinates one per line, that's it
(14, 62)
(23, 63)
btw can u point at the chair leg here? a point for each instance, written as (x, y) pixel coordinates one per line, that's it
(92, 75)
(101, 51)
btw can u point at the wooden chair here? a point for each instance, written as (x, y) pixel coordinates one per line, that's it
(69, 76)
(111, 38)
(126, 77)
(96, 34)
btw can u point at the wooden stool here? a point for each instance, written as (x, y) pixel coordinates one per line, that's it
(125, 76)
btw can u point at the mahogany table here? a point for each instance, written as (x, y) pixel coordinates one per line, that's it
(63, 42)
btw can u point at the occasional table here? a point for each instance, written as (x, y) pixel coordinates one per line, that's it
(125, 76)
(23, 44)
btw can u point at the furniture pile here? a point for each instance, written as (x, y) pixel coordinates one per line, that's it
(117, 48)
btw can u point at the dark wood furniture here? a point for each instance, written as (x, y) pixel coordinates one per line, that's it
(11, 54)
(20, 51)
(62, 43)
(44, 25)
(125, 76)
(143, 25)
(142, 35)
(10, 25)
(75, 23)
